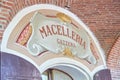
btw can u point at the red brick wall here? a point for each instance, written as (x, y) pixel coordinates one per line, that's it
(101, 16)
(114, 60)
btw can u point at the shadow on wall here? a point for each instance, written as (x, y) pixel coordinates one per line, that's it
(16, 68)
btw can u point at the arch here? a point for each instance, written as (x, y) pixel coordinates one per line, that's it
(26, 11)
(69, 66)
(113, 60)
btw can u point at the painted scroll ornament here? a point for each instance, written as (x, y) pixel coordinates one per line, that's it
(56, 34)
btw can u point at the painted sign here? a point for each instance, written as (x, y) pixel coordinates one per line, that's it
(51, 37)
(56, 34)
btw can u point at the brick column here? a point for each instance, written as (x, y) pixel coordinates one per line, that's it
(114, 60)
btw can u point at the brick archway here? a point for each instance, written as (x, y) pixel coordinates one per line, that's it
(9, 8)
(114, 60)
(101, 16)
(17, 17)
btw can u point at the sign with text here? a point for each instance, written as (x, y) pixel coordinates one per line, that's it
(56, 34)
